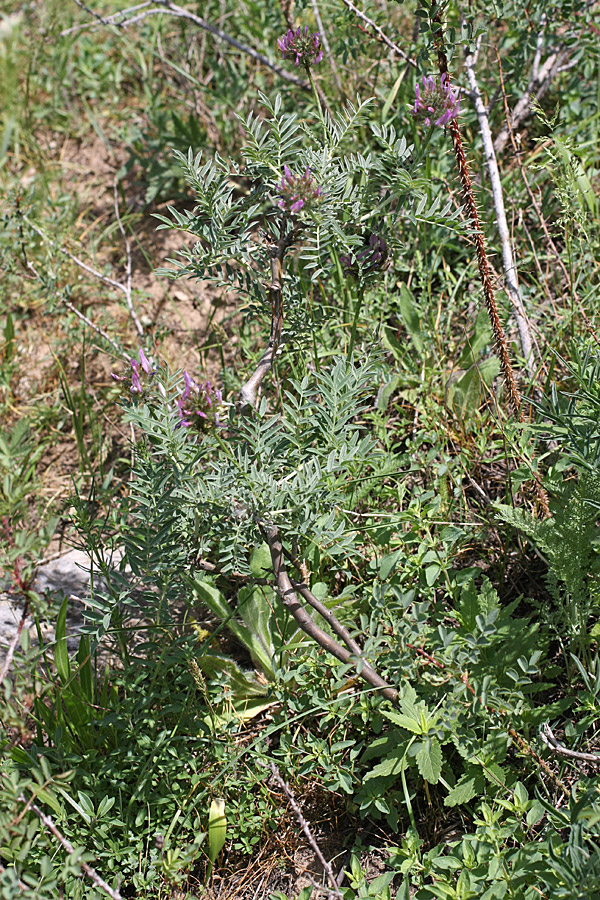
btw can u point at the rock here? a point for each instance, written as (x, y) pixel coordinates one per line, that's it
(68, 575)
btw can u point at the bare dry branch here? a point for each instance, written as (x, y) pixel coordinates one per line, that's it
(89, 870)
(539, 82)
(552, 743)
(248, 393)
(381, 35)
(13, 644)
(83, 317)
(335, 891)
(128, 268)
(126, 17)
(331, 619)
(510, 268)
(540, 215)
(289, 598)
(327, 48)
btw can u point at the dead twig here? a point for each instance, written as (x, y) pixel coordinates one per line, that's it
(128, 267)
(539, 213)
(331, 619)
(83, 317)
(23, 585)
(381, 35)
(539, 82)
(79, 262)
(335, 891)
(13, 644)
(510, 268)
(89, 870)
(289, 598)
(134, 14)
(552, 743)
(327, 48)
(248, 393)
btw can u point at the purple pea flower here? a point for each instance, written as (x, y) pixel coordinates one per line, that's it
(298, 192)
(199, 405)
(136, 384)
(140, 372)
(303, 45)
(437, 102)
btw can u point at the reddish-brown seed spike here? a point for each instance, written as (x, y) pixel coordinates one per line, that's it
(500, 342)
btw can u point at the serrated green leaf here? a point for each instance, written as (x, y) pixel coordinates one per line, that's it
(520, 794)
(465, 789)
(407, 722)
(429, 760)
(392, 765)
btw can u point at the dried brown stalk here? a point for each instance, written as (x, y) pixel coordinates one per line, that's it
(334, 891)
(248, 394)
(539, 213)
(89, 870)
(500, 341)
(289, 598)
(138, 13)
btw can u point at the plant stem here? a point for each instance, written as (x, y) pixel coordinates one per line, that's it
(318, 102)
(357, 311)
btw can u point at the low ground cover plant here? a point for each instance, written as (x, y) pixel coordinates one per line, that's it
(344, 540)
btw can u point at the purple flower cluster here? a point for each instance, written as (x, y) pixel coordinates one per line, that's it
(200, 406)
(141, 372)
(302, 44)
(437, 102)
(298, 191)
(373, 257)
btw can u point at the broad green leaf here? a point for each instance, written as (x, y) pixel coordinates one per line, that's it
(468, 607)
(520, 794)
(217, 828)
(411, 316)
(61, 653)
(260, 562)
(243, 684)
(411, 724)
(213, 598)
(535, 813)
(392, 765)
(257, 615)
(387, 564)
(496, 891)
(464, 790)
(429, 760)
(431, 574)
